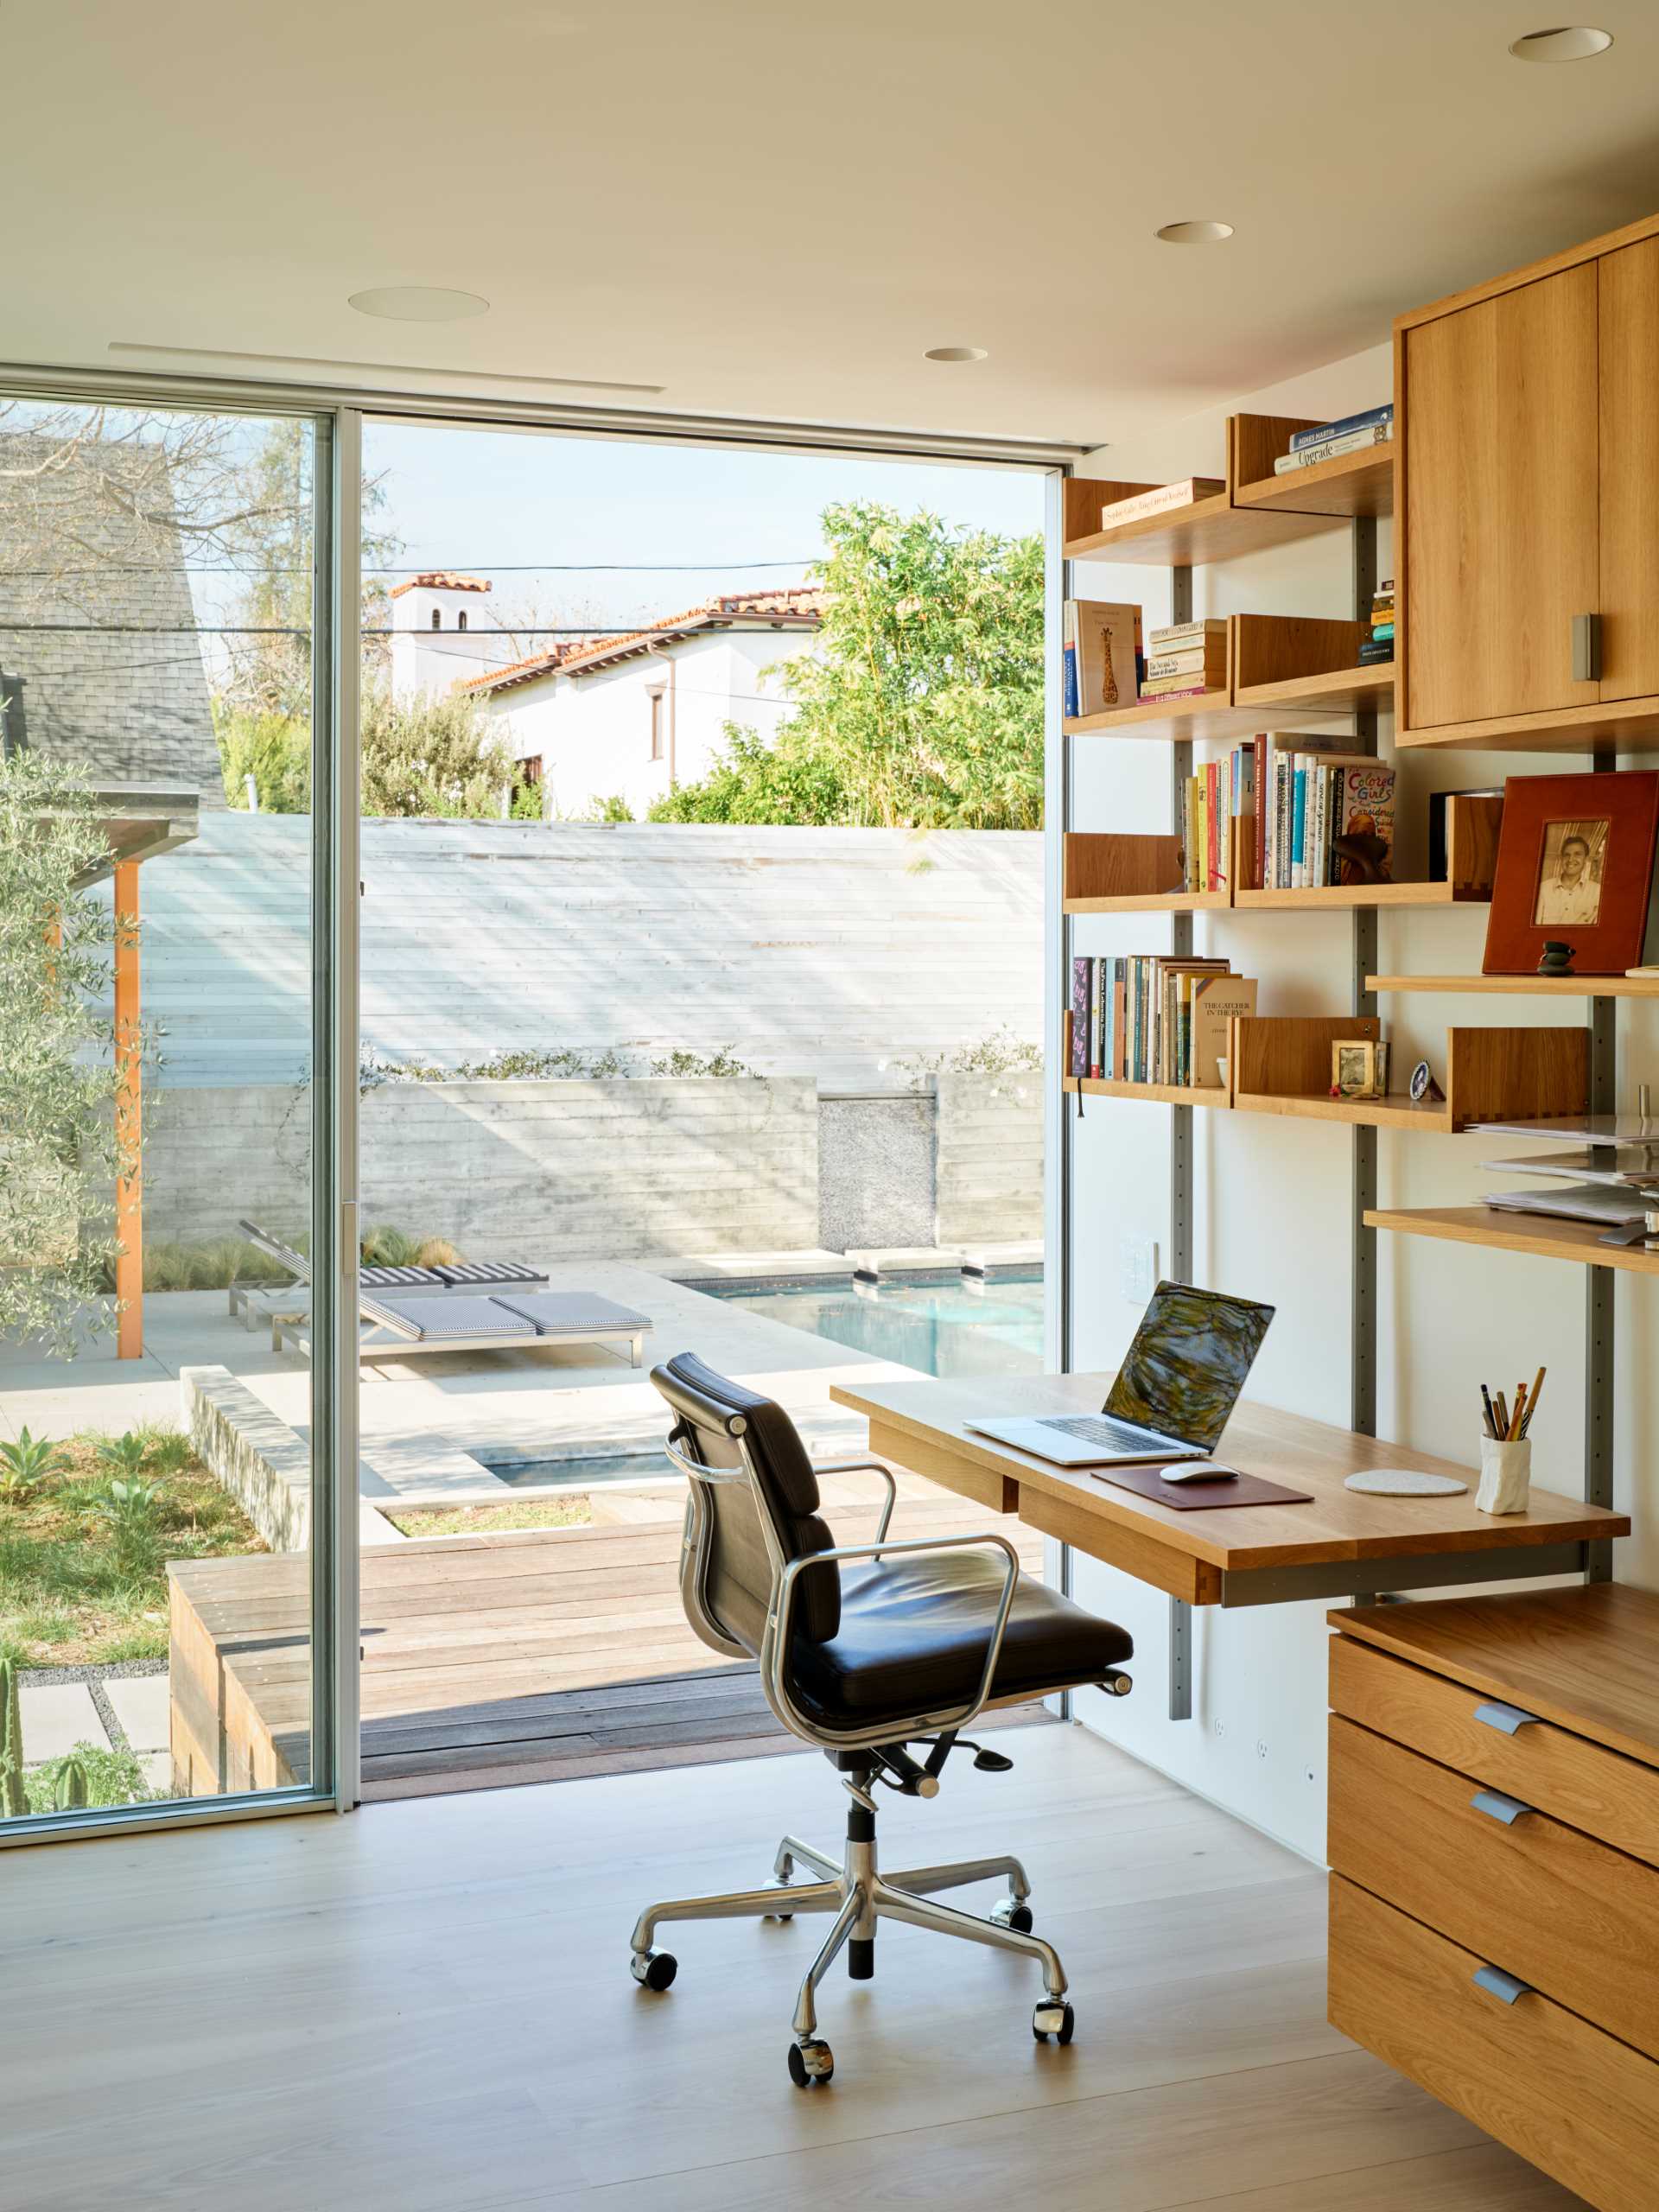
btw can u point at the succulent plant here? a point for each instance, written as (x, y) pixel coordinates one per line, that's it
(29, 1461)
(70, 1791)
(14, 1804)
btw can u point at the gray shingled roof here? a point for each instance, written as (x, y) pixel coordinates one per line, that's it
(133, 704)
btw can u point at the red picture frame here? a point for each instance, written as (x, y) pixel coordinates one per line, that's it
(1576, 866)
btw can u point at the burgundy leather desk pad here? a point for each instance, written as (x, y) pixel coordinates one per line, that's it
(1199, 1495)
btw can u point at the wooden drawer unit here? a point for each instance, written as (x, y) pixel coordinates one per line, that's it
(1494, 1811)
(1600, 1791)
(1570, 1915)
(1573, 2100)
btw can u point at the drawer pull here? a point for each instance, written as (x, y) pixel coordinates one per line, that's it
(1500, 1807)
(1507, 1717)
(1501, 1985)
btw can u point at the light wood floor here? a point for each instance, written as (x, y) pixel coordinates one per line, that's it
(426, 2008)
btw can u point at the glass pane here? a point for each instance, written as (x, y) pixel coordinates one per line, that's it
(156, 596)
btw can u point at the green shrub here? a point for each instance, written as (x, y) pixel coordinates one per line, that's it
(107, 1776)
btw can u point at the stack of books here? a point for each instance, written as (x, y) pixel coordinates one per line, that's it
(1161, 499)
(1150, 1017)
(1185, 660)
(1298, 796)
(1326, 440)
(1380, 644)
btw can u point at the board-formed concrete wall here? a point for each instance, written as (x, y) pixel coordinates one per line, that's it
(541, 1171)
(627, 1169)
(987, 1169)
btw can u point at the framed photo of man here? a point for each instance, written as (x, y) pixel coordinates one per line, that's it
(1575, 864)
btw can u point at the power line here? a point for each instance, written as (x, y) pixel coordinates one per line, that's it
(500, 569)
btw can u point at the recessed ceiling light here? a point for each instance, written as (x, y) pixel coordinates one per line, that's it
(1567, 42)
(1195, 233)
(956, 354)
(418, 303)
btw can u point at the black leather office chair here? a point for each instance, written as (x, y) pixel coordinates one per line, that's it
(864, 1650)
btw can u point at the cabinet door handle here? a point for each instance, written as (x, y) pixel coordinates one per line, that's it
(1507, 1717)
(1501, 1985)
(1587, 648)
(1499, 1807)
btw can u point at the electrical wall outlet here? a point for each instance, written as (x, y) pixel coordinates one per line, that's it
(1137, 1268)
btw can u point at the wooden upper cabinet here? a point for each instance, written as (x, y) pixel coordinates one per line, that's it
(1500, 407)
(1629, 603)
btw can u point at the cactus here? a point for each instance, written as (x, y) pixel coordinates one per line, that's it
(14, 1804)
(69, 1793)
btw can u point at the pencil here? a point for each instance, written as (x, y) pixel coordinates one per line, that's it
(1516, 1424)
(1502, 1418)
(1487, 1416)
(1537, 1387)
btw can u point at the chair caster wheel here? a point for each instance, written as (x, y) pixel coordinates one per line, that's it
(653, 1969)
(1015, 1913)
(1053, 2018)
(811, 2062)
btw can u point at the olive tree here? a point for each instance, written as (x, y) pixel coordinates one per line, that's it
(60, 1153)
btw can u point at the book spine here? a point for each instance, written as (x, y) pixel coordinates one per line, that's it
(1120, 1018)
(1297, 827)
(1332, 450)
(1069, 665)
(1176, 690)
(1080, 972)
(1160, 501)
(1106, 1017)
(1323, 431)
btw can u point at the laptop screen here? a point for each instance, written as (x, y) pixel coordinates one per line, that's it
(1183, 1374)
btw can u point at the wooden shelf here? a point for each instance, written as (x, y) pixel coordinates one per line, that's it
(1167, 902)
(1148, 1094)
(1220, 527)
(1358, 483)
(1338, 692)
(1631, 725)
(1391, 1113)
(1340, 897)
(1211, 714)
(1549, 987)
(1548, 1239)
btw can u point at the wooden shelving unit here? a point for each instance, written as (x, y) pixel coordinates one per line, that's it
(1548, 1239)
(1111, 872)
(1282, 1064)
(1471, 827)
(1302, 698)
(1211, 714)
(1339, 897)
(1149, 1094)
(1542, 986)
(1221, 527)
(1354, 484)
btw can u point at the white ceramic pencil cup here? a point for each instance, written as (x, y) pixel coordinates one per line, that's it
(1505, 1475)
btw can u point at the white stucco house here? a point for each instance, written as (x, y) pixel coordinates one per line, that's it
(442, 632)
(631, 717)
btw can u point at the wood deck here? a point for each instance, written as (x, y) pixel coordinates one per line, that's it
(489, 1660)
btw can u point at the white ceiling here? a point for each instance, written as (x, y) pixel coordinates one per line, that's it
(773, 213)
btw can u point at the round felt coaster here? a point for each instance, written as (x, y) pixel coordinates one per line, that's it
(1403, 1482)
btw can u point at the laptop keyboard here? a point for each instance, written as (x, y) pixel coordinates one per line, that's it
(1101, 1428)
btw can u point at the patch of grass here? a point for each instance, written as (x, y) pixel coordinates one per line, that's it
(82, 1569)
(572, 1512)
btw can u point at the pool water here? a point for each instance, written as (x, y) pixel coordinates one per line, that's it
(945, 1328)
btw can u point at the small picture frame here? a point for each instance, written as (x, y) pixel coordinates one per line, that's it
(1574, 867)
(1359, 1068)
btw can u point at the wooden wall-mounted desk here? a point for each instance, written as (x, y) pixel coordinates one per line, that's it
(1341, 1545)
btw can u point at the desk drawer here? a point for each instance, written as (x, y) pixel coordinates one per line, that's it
(1600, 1791)
(1574, 1919)
(1578, 2103)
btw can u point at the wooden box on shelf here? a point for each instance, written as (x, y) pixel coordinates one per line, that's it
(1359, 483)
(1300, 667)
(1115, 873)
(1282, 1064)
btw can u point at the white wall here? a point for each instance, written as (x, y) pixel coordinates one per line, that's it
(1272, 1204)
(424, 660)
(593, 731)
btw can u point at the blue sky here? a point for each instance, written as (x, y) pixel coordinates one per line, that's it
(491, 502)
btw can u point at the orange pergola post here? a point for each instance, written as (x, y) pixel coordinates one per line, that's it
(128, 1118)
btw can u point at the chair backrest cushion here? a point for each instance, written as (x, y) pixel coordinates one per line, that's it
(737, 1582)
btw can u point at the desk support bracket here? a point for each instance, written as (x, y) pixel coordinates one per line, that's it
(1289, 1585)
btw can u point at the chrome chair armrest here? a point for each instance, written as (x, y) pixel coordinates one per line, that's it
(782, 1614)
(856, 1464)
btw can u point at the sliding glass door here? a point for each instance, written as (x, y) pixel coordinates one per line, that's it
(177, 1075)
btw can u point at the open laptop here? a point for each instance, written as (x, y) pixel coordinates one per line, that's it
(1172, 1398)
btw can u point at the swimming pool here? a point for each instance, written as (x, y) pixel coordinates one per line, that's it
(946, 1327)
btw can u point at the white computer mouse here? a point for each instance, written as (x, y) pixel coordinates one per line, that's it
(1197, 1471)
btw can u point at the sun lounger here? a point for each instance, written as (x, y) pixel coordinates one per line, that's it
(450, 1276)
(455, 1323)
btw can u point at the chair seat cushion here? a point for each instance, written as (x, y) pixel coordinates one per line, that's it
(913, 1637)
(571, 1312)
